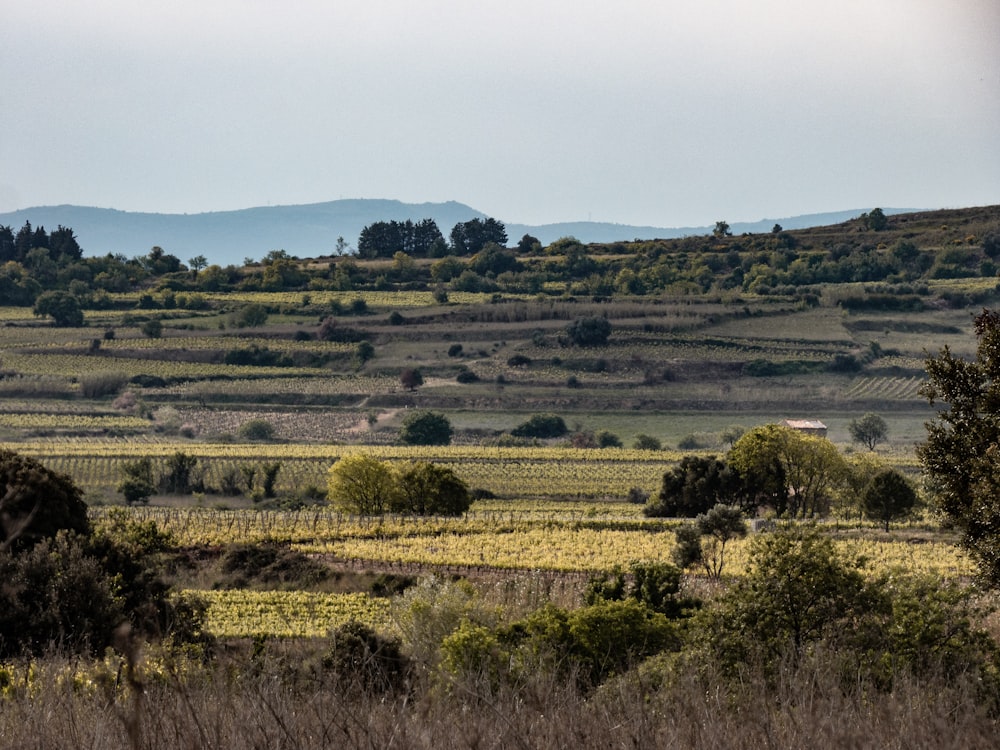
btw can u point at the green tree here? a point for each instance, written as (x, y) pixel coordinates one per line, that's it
(197, 263)
(62, 307)
(721, 229)
(888, 496)
(177, 478)
(425, 428)
(869, 430)
(797, 591)
(36, 502)
(361, 484)
(137, 482)
(694, 486)
(426, 489)
(364, 351)
(962, 449)
(542, 426)
(800, 472)
(411, 379)
(721, 524)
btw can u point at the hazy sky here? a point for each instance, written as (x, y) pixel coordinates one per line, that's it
(655, 112)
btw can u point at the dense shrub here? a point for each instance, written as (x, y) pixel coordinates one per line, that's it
(541, 426)
(36, 502)
(425, 428)
(362, 660)
(589, 331)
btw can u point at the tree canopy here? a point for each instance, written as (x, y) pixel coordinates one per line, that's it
(425, 428)
(962, 449)
(36, 502)
(797, 471)
(869, 430)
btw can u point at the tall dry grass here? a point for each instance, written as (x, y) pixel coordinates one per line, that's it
(278, 702)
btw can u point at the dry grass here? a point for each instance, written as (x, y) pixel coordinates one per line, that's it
(277, 704)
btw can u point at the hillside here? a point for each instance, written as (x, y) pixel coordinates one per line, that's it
(228, 237)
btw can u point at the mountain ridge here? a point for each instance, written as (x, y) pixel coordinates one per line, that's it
(312, 229)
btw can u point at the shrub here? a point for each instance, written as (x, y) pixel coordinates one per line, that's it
(100, 384)
(362, 660)
(589, 331)
(426, 489)
(607, 439)
(466, 376)
(361, 484)
(425, 428)
(152, 328)
(541, 426)
(647, 443)
(519, 360)
(256, 430)
(455, 350)
(36, 502)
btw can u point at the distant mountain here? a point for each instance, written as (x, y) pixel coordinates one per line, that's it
(229, 237)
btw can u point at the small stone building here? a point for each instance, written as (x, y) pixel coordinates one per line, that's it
(808, 426)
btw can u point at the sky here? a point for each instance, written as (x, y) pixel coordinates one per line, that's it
(646, 112)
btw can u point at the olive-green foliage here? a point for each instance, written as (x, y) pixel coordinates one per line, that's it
(696, 485)
(801, 595)
(721, 524)
(962, 449)
(589, 331)
(62, 307)
(656, 585)
(794, 472)
(588, 644)
(36, 502)
(72, 592)
(56, 596)
(647, 443)
(425, 428)
(99, 384)
(427, 489)
(249, 316)
(432, 610)
(178, 475)
(137, 482)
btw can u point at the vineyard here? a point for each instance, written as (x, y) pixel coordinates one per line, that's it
(174, 370)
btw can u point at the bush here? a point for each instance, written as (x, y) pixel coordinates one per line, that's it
(541, 426)
(152, 328)
(589, 331)
(466, 376)
(362, 660)
(100, 384)
(36, 502)
(426, 489)
(647, 443)
(256, 430)
(425, 428)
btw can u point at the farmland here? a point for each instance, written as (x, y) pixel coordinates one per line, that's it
(707, 339)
